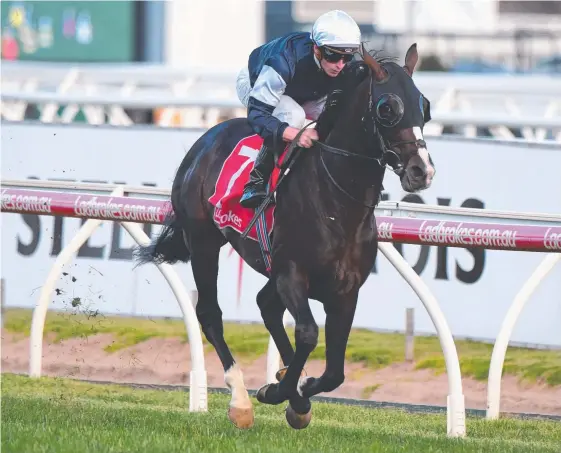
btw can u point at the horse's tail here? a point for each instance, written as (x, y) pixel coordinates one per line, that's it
(168, 247)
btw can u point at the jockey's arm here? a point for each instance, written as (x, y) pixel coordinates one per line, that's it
(267, 126)
(264, 97)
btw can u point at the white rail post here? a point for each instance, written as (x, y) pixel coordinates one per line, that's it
(273, 361)
(501, 343)
(409, 334)
(273, 356)
(198, 390)
(456, 412)
(40, 311)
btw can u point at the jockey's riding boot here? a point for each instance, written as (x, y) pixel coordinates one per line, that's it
(255, 190)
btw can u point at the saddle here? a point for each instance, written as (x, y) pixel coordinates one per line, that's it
(228, 213)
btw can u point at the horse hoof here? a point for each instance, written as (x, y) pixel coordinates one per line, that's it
(262, 394)
(241, 418)
(268, 394)
(280, 374)
(297, 421)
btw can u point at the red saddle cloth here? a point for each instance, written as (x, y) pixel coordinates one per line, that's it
(228, 212)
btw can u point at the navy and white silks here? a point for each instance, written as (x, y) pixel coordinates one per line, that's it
(283, 85)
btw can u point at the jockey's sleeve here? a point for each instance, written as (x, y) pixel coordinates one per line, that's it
(264, 97)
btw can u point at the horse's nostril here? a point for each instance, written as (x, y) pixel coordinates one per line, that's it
(417, 172)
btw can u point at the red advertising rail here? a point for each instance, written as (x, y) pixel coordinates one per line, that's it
(535, 238)
(88, 206)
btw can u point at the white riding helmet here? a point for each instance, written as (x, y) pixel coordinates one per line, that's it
(336, 29)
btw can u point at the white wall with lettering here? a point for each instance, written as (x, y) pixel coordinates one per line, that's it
(474, 287)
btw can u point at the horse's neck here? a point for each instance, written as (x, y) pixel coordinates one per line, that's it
(349, 123)
(311, 194)
(361, 178)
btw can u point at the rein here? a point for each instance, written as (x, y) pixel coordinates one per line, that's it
(394, 163)
(398, 169)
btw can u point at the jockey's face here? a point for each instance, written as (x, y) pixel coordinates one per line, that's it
(332, 63)
(332, 69)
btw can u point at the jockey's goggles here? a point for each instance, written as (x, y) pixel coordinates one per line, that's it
(332, 55)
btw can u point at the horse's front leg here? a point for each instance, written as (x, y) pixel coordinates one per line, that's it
(292, 287)
(339, 318)
(272, 311)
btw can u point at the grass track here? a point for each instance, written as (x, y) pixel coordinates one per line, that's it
(249, 341)
(65, 416)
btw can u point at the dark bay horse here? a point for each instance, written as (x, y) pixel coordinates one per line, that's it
(324, 240)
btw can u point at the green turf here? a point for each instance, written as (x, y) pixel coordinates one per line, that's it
(65, 416)
(249, 341)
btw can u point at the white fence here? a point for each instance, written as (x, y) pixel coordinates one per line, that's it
(194, 97)
(206, 111)
(160, 78)
(96, 209)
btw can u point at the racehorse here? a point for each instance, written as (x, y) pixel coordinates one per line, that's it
(324, 238)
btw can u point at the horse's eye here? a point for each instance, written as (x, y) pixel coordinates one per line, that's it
(389, 109)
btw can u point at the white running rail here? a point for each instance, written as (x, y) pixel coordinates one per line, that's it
(455, 399)
(386, 208)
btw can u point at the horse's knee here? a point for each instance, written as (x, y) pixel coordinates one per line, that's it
(307, 335)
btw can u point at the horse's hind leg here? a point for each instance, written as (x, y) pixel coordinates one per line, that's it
(205, 247)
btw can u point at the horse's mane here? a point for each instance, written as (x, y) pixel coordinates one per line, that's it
(381, 59)
(338, 98)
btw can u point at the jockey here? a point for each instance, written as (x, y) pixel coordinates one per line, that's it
(286, 82)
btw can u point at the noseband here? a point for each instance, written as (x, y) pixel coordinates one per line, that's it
(389, 159)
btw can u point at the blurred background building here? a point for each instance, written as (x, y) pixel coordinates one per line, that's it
(462, 36)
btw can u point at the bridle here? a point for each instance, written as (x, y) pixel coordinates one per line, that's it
(389, 158)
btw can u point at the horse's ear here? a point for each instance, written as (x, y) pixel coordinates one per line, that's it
(411, 58)
(379, 72)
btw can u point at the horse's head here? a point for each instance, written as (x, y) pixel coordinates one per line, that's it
(399, 112)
